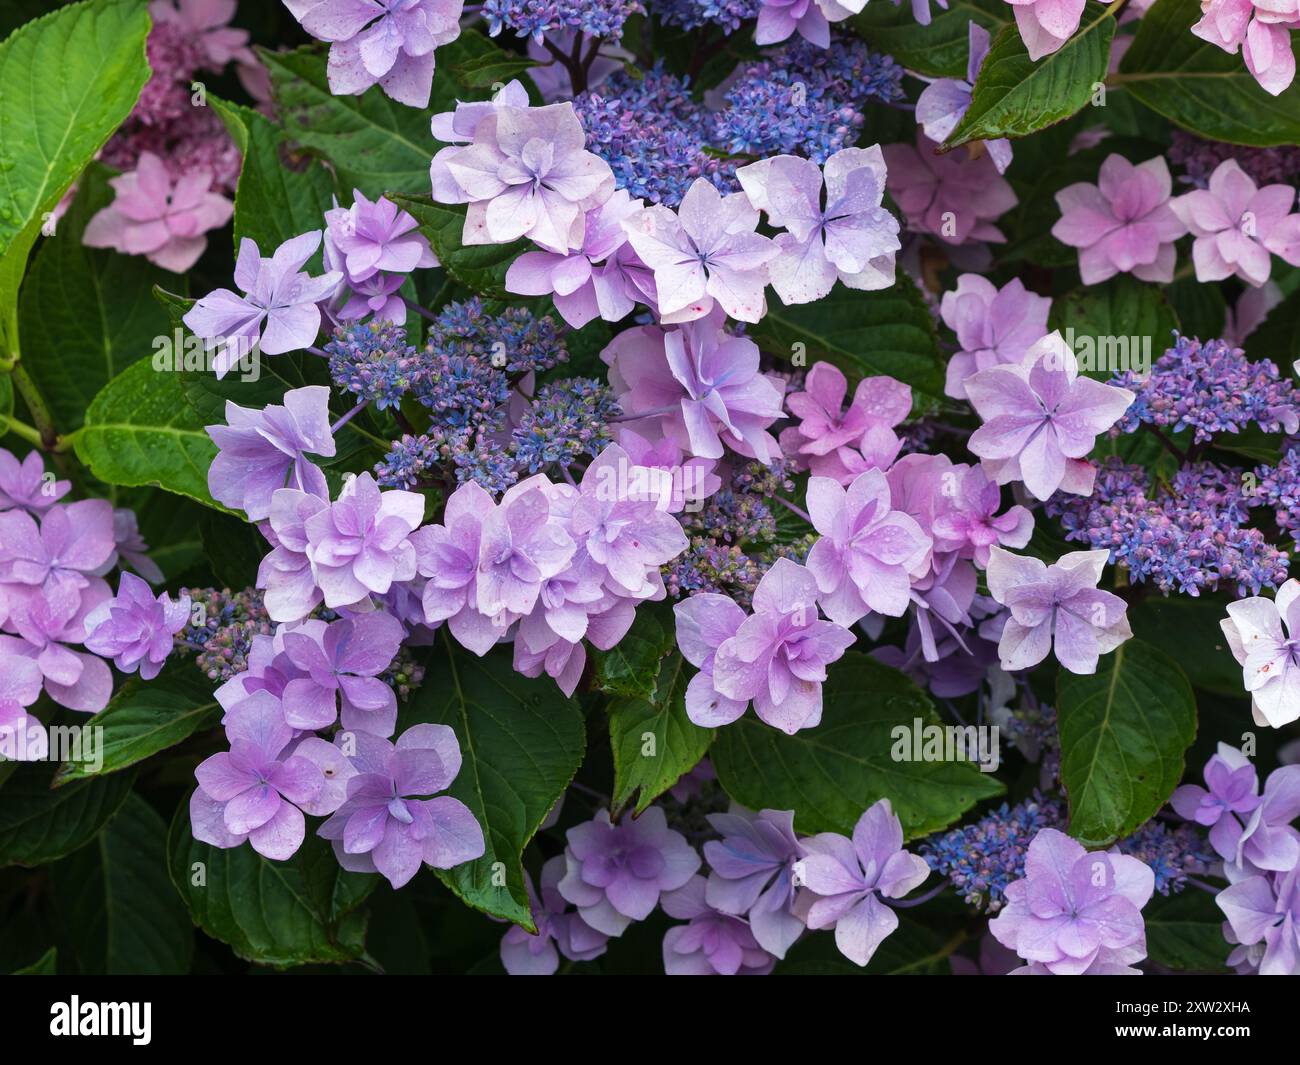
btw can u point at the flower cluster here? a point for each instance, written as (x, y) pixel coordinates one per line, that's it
(179, 165)
(980, 860)
(1189, 535)
(766, 887)
(1209, 388)
(54, 599)
(696, 342)
(539, 18)
(804, 99)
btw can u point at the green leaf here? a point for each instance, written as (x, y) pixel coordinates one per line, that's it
(38, 825)
(141, 430)
(914, 949)
(1014, 96)
(631, 667)
(372, 142)
(522, 740)
(939, 50)
(481, 267)
(277, 197)
(70, 80)
(234, 548)
(1123, 733)
(1120, 324)
(1278, 337)
(170, 526)
(1202, 309)
(830, 774)
(492, 68)
(46, 965)
(652, 739)
(1186, 932)
(864, 333)
(295, 912)
(118, 904)
(1199, 86)
(1187, 629)
(85, 314)
(145, 717)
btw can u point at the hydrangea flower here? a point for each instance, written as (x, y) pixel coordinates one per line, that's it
(1251, 832)
(652, 133)
(1210, 388)
(160, 219)
(22, 736)
(869, 553)
(615, 873)
(704, 251)
(778, 656)
(360, 544)
(1041, 417)
(386, 825)
(1268, 841)
(713, 943)
(1261, 30)
(1057, 605)
(1239, 226)
(1045, 25)
(690, 480)
(1074, 909)
(1185, 535)
(852, 237)
(72, 545)
(956, 196)
(135, 628)
(981, 858)
(1265, 911)
(285, 573)
(368, 241)
(526, 174)
(559, 931)
(538, 648)
(752, 874)
(698, 384)
(521, 548)
(801, 99)
(25, 485)
(46, 620)
(994, 326)
(342, 660)
(206, 25)
(262, 451)
(1259, 634)
(944, 102)
(811, 19)
(255, 790)
(389, 43)
(1231, 787)
(558, 19)
(620, 525)
(844, 880)
(840, 443)
(1125, 223)
(590, 282)
(705, 621)
(277, 294)
(447, 557)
